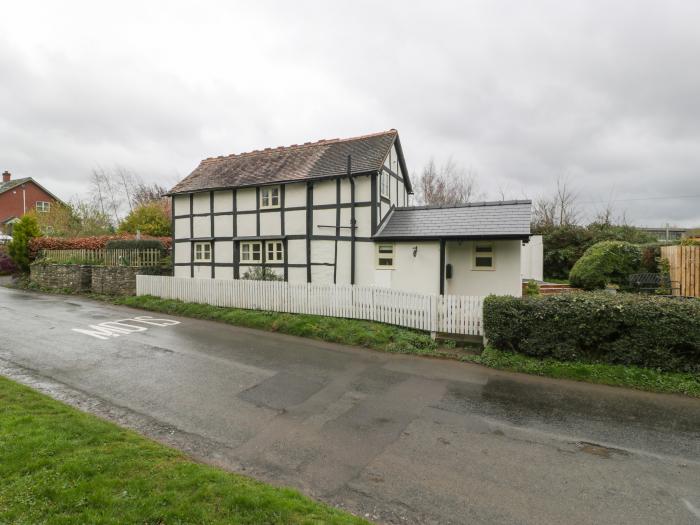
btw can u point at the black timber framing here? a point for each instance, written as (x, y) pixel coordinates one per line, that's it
(211, 231)
(375, 203)
(442, 266)
(191, 235)
(309, 226)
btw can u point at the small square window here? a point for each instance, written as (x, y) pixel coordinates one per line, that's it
(43, 206)
(251, 251)
(274, 251)
(202, 252)
(385, 256)
(483, 257)
(270, 197)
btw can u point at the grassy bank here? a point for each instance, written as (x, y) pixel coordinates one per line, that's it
(368, 334)
(601, 373)
(59, 465)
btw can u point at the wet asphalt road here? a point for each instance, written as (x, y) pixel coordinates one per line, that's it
(398, 439)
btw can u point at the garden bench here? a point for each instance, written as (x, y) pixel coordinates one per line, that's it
(650, 283)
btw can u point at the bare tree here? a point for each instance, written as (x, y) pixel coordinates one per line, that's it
(147, 193)
(558, 209)
(446, 185)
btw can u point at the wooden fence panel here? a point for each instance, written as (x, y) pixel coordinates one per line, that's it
(684, 265)
(429, 312)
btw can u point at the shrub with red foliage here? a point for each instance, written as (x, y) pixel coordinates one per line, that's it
(84, 243)
(7, 265)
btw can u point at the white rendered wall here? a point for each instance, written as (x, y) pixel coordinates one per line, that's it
(532, 263)
(504, 279)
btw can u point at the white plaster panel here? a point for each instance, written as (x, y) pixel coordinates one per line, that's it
(201, 202)
(324, 218)
(201, 227)
(322, 251)
(364, 263)
(363, 189)
(182, 271)
(182, 228)
(296, 251)
(295, 222)
(181, 204)
(270, 223)
(223, 226)
(363, 216)
(245, 199)
(416, 274)
(322, 274)
(295, 195)
(246, 225)
(343, 270)
(182, 252)
(383, 210)
(223, 251)
(202, 272)
(345, 190)
(504, 279)
(223, 201)
(325, 192)
(296, 275)
(223, 272)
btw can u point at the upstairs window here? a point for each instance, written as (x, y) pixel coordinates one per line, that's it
(483, 256)
(270, 197)
(385, 184)
(251, 252)
(385, 256)
(202, 252)
(274, 251)
(43, 206)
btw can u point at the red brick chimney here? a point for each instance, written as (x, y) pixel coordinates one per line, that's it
(6, 176)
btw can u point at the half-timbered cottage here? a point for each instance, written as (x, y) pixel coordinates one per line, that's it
(338, 211)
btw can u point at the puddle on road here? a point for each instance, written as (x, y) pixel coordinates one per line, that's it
(595, 449)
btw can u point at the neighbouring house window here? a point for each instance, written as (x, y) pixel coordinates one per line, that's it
(251, 252)
(43, 206)
(385, 182)
(270, 197)
(202, 252)
(483, 256)
(274, 251)
(385, 256)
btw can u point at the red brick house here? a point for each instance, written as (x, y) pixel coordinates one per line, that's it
(19, 196)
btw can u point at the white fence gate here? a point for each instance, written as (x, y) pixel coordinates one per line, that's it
(454, 314)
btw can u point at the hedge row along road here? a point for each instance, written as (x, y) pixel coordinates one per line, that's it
(396, 438)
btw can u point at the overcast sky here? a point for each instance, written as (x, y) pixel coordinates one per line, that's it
(606, 94)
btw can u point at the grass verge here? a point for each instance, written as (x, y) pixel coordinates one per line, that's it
(368, 334)
(601, 373)
(61, 466)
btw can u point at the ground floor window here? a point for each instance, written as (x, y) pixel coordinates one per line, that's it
(274, 251)
(202, 252)
(251, 251)
(483, 256)
(385, 256)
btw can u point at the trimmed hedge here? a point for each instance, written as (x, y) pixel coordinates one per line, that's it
(134, 244)
(604, 263)
(82, 243)
(641, 330)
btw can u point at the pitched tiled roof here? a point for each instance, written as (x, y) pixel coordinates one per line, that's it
(6, 186)
(476, 220)
(313, 160)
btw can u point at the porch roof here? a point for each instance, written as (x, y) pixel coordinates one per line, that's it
(479, 220)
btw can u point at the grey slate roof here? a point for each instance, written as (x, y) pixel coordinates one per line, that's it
(312, 160)
(6, 186)
(475, 220)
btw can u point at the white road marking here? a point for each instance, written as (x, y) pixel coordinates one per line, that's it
(109, 329)
(694, 510)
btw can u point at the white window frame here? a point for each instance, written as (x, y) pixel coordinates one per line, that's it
(42, 206)
(250, 252)
(477, 255)
(390, 255)
(270, 197)
(277, 251)
(202, 252)
(382, 177)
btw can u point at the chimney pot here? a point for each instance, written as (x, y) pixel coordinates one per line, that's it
(6, 176)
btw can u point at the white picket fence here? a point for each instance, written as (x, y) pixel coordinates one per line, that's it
(453, 314)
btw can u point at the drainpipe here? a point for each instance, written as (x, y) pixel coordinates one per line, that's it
(24, 200)
(352, 221)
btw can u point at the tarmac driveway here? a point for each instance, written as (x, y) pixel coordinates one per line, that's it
(398, 439)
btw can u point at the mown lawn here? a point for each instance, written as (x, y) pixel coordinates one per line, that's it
(61, 466)
(377, 336)
(601, 373)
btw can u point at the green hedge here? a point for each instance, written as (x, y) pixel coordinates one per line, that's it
(133, 244)
(604, 263)
(641, 330)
